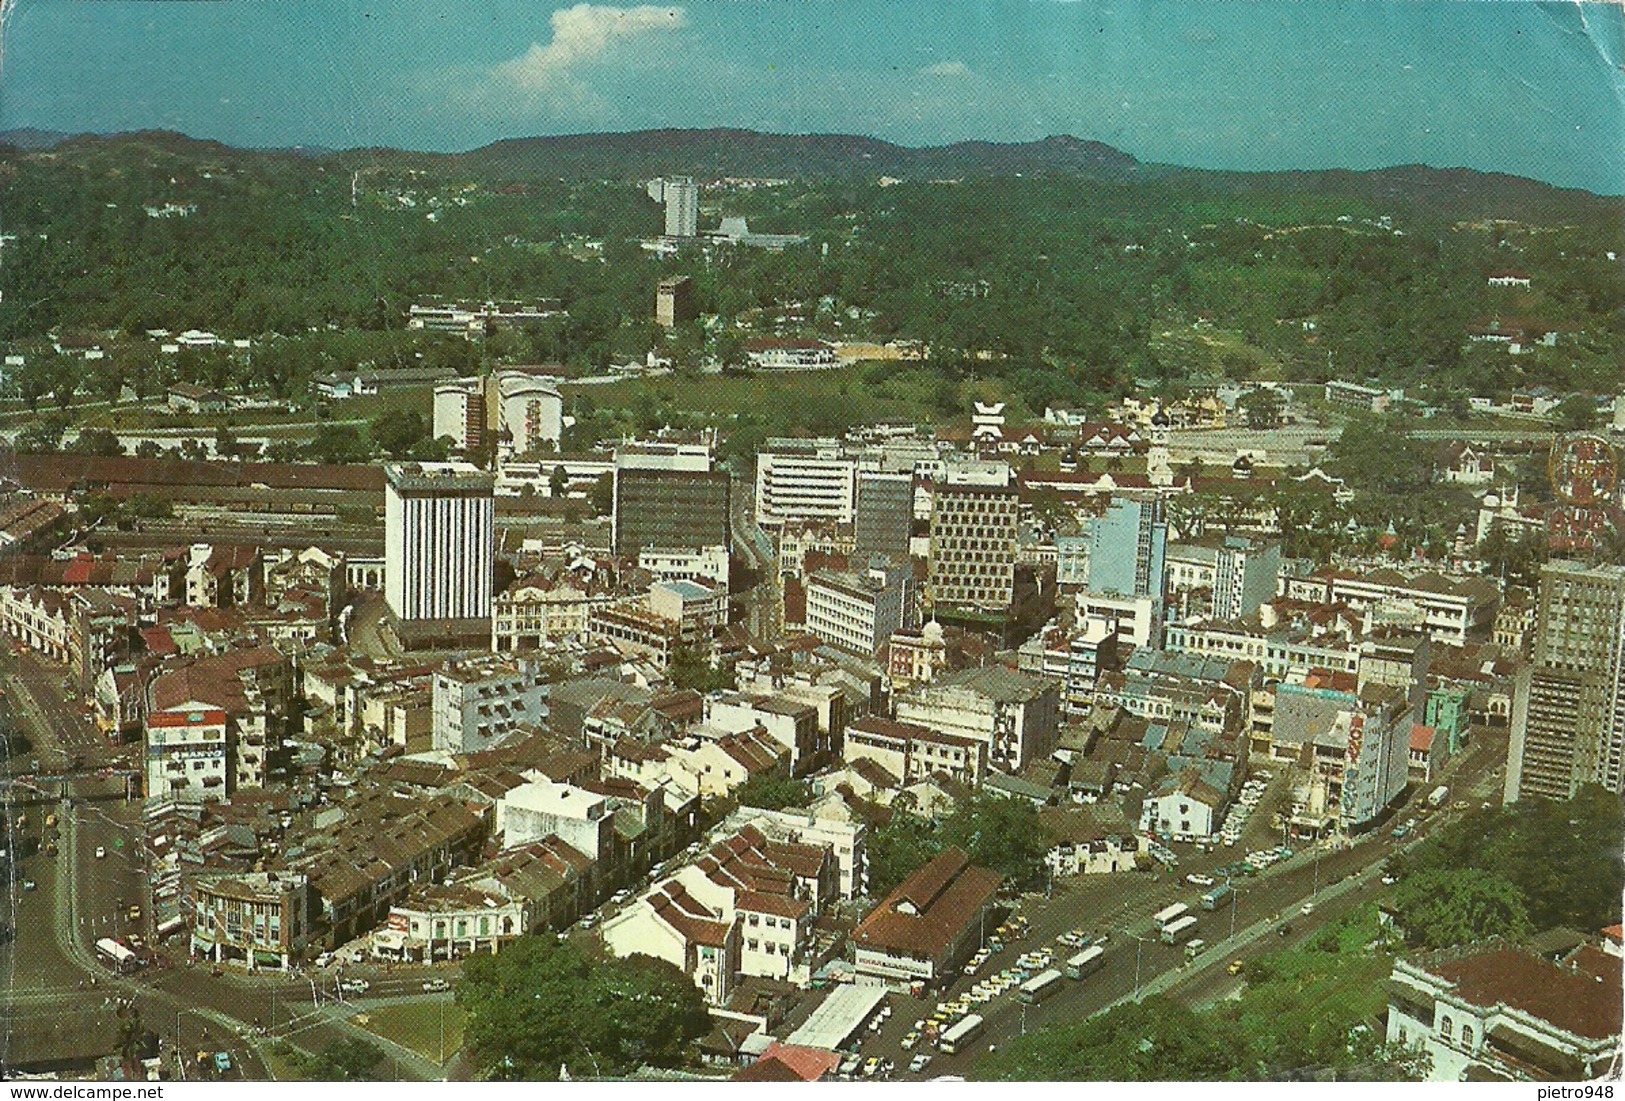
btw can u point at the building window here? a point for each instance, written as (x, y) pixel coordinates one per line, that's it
(1444, 1027)
(1466, 1036)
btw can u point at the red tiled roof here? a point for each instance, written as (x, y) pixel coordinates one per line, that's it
(213, 680)
(692, 919)
(1421, 738)
(944, 895)
(172, 719)
(1578, 1002)
(158, 641)
(809, 1064)
(769, 1069)
(762, 903)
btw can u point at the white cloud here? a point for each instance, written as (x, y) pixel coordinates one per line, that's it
(946, 68)
(581, 34)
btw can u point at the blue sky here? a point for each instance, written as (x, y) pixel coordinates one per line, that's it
(1502, 85)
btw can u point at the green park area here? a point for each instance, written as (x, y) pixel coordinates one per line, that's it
(433, 1030)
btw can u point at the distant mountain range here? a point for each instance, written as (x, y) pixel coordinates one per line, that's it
(709, 154)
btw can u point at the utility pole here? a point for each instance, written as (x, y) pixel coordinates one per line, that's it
(1139, 952)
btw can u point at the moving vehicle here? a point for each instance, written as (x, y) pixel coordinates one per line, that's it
(1235, 967)
(1040, 986)
(919, 1062)
(963, 1034)
(1086, 963)
(117, 954)
(1306, 909)
(1214, 898)
(222, 1062)
(354, 986)
(1179, 930)
(100, 852)
(1438, 795)
(1195, 948)
(435, 986)
(29, 885)
(1170, 914)
(1197, 879)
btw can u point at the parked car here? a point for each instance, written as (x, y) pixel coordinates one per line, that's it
(100, 852)
(435, 986)
(919, 1062)
(1197, 879)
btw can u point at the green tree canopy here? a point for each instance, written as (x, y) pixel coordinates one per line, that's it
(539, 1005)
(1563, 856)
(96, 441)
(338, 443)
(1442, 907)
(692, 669)
(349, 1060)
(1262, 406)
(397, 432)
(1575, 413)
(1376, 455)
(773, 793)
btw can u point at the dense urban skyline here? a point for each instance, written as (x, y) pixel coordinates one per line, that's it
(1257, 86)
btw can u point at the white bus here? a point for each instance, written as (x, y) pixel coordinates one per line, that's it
(965, 1032)
(1163, 918)
(1040, 986)
(1178, 930)
(116, 954)
(1086, 963)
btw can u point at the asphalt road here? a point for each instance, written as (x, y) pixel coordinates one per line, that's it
(1251, 924)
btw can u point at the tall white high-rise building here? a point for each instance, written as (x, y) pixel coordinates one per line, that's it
(459, 412)
(1568, 716)
(681, 197)
(439, 545)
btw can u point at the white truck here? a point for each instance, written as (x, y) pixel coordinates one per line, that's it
(1438, 795)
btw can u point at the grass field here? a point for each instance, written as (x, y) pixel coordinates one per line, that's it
(417, 1025)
